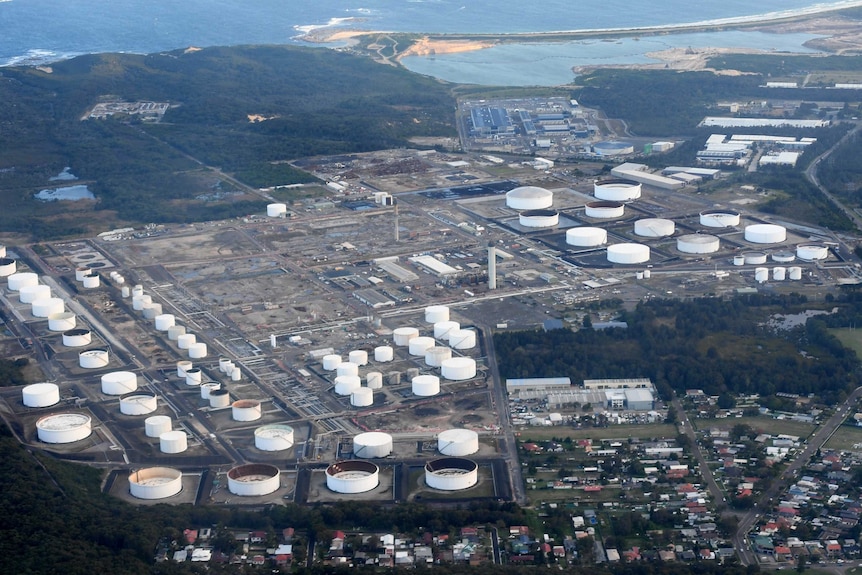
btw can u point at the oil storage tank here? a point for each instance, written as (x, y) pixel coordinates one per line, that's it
(765, 233)
(436, 313)
(402, 335)
(434, 356)
(331, 361)
(276, 210)
(46, 306)
(697, 244)
(628, 253)
(358, 357)
(442, 329)
(425, 385)
(812, 252)
(8, 267)
(175, 441)
(19, 280)
(156, 425)
(539, 218)
(77, 337)
(458, 368)
(41, 394)
(586, 237)
(62, 321)
(245, 410)
(64, 428)
(462, 339)
(253, 479)
(604, 210)
(617, 190)
(352, 476)
(419, 345)
(529, 198)
(138, 404)
(29, 294)
(155, 483)
(347, 368)
(119, 382)
(384, 353)
(654, 228)
(719, 218)
(93, 358)
(451, 473)
(362, 397)
(219, 398)
(458, 442)
(372, 445)
(275, 437)
(347, 384)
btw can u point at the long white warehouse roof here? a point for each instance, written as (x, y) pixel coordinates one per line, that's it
(434, 265)
(647, 178)
(771, 122)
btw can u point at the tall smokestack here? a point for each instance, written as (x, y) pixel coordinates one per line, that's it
(492, 266)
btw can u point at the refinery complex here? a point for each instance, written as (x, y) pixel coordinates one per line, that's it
(341, 347)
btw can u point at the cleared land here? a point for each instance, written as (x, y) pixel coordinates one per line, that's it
(614, 432)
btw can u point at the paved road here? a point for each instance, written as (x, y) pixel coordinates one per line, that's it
(705, 471)
(820, 436)
(811, 174)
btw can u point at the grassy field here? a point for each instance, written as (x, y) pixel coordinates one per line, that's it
(759, 424)
(845, 438)
(850, 337)
(622, 432)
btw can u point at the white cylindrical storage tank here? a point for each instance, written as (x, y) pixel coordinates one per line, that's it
(186, 340)
(451, 474)
(80, 272)
(765, 233)
(647, 274)
(779, 273)
(253, 479)
(2, 251)
(62, 321)
(628, 253)
(125, 292)
(8, 267)
(225, 365)
(783, 257)
(137, 290)
(372, 445)
(139, 302)
(434, 356)
(156, 425)
(275, 437)
(119, 382)
(458, 442)
(384, 353)
(276, 210)
(811, 252)
(654, 228)
(347, 368)
(617, 190)
(539, 218)
(138, 404)
(165, 321)
(77, 337)
(352, 476)
(120, 280)
(155, 482)
(175, 441)
(235, 374)
(209, 387)
(794, 273)
(29, 294)
(402, 335)
(442, 329)
(462, 339)
(331, 361)
(761, 274)
(604, 210)
(586, 237)
(46, 306)
(91, 281)
(458, 368)
(425, 385)
(219, 398)
(152, 310)
(754, 258)
(358, 357)
(374, 380)
(41, 395)
(93, 358)
(182, 367)
(529, 198)
(436, 313)
(194, 376)
(64, 428)
(175, 331)
(21, 279)
(419, 345)
(362, 397)
(197, 350)
(697, 244)
(739, 260)
(246, 410)
(347, 384)
(719, 218)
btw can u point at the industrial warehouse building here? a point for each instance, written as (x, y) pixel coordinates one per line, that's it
(618, 394)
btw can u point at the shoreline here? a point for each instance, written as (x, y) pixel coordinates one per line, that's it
(843, 35)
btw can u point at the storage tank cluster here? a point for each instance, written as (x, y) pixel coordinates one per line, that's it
(42, 303)
(352, 476)
(779, 273)
(118, 279)
(451, 473)
(167, 322)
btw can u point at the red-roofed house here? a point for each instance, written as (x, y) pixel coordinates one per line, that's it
(190, 535)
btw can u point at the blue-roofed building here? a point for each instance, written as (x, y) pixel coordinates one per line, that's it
(488, 121)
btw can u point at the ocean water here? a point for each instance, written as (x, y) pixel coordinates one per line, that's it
(39, 31)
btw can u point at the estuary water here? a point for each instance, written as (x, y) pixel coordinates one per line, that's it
(41, 31)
